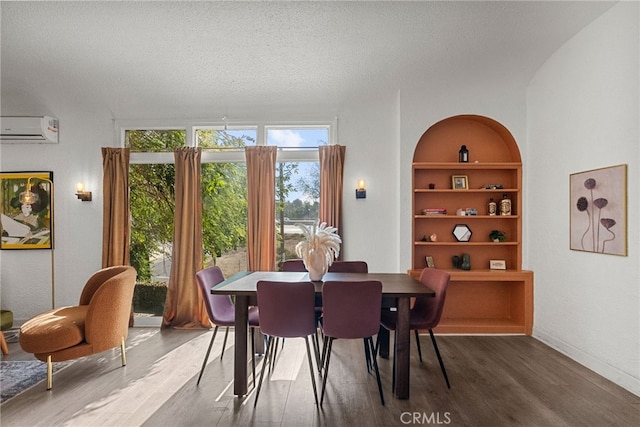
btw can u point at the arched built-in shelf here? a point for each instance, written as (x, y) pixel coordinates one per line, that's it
(480, 300)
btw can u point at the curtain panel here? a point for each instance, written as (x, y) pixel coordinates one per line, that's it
(116, 223)
(331, 181)
(184, 307)
(261, 205)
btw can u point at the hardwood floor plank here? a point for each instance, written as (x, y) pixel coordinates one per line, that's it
(495, 380)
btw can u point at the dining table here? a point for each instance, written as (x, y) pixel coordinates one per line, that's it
(397, 291)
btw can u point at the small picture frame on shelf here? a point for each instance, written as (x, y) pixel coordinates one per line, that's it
(497, 264)
(430, 262)
(459, 182)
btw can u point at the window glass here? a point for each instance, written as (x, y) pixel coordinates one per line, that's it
(297, 185)
(154, 140)
(297, 202)
(219, 139)
(300, 137)
(224, 216)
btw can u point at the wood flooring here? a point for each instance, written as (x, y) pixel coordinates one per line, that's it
(495, 381)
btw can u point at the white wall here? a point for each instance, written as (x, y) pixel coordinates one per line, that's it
(371, 224)
(583, 114)
(77, 225)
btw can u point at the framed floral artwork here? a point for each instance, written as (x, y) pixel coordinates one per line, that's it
(598, 210)
(26, 210)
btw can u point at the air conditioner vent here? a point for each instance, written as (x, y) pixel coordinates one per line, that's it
(42, 129)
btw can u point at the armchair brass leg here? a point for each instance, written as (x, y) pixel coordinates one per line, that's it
(122, 352)
(49, 373)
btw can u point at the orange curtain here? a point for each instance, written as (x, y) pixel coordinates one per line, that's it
(261, 199)
(331, 177)
(184, 307)
(116, 224)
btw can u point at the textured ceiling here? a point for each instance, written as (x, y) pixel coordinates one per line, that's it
(170, 59)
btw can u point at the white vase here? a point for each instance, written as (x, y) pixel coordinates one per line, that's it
(316, 264)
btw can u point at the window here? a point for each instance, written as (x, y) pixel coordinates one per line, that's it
(224, 197)
(297, 184)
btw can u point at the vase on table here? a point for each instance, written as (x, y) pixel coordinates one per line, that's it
(318, 249)
(316, 264)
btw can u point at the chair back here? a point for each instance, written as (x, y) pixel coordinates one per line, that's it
(349, 267)
(293, 265)
(426, 312)
(286, 308)
(351, 309)
(107, 319)
(97, 279)
(220, 308)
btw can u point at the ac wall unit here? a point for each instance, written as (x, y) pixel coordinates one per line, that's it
(43, 129)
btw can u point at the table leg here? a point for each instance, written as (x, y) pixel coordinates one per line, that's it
(240, 359)
(383, 342)
(403, 347)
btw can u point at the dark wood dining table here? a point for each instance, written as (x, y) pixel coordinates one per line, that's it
(397, 291)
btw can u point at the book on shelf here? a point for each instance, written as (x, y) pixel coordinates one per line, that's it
(434, 211)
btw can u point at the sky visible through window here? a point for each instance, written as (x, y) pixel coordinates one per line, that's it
(312, 137)
(298, 138)
(291, 138)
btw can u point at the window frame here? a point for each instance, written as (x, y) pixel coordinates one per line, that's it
(285, 154)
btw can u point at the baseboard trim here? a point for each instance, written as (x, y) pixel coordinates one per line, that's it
(609, 372)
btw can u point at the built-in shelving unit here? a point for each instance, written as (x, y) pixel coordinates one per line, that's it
(479, 300)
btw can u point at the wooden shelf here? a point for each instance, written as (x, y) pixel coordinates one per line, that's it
(464, 166)
(483, 326)
(462, 192)
(479, 300)
(419, 243)
(465, 217)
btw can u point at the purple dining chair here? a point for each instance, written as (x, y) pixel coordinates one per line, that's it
(425, 314)
(293, 265)
(221, 312)
(342, 320)
(286, 311)
(297, 265)
(349, 267)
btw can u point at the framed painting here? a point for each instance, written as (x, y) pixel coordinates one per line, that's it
(26, 210)
(598, 210)
(459, 182)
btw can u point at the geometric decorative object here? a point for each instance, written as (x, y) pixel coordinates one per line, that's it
(462, 232)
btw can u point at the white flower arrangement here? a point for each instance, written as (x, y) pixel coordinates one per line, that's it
(321, 244)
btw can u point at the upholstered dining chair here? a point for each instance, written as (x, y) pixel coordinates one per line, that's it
(297, 265)
(286, 311)
(98, 323)
(341, 320)
(293, 265)
(425, 314)
(335, 267)
(222, 313)
(349, 267)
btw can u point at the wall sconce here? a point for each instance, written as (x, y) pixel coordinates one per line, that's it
(361, 190)
(85, 196)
